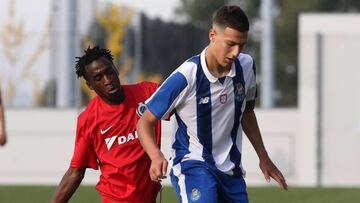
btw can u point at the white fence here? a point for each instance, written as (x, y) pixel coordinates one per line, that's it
(329, 95)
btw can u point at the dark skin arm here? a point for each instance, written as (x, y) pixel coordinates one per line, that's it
(68, 185)
(251, 129)
(2, 124)
(2, 127)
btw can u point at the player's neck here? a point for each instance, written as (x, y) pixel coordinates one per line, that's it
(214, 67)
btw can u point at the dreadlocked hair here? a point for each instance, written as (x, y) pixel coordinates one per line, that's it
(91, 54)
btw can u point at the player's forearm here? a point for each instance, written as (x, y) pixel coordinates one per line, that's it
(2, 120)
(68, 185)
(2, 127)
(145, 130)
(252, 132)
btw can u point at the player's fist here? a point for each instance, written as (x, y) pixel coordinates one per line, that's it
(158, 168)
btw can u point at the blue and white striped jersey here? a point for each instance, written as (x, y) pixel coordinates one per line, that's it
(208, 111)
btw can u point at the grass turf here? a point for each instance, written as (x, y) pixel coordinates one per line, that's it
(36, 194)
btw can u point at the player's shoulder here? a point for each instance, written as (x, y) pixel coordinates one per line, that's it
(195, 60)
(142, 88)
(189, 67)
(148, 84)
(191, 63)
(89, 110)
(246, 61)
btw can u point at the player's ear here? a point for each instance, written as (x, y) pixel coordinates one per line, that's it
(212, 34)
(116, 70)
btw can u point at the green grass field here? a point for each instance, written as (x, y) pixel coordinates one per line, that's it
(88, 194)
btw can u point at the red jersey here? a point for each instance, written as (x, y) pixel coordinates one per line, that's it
(106, 137)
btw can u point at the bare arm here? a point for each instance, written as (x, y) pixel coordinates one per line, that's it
(2, 124)
(68, 185)
(145, 129)
(251, 129)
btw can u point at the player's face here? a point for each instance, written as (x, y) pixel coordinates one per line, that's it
(227, 44)
(102, 77)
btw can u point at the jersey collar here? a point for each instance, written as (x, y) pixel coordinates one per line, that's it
(210, 77)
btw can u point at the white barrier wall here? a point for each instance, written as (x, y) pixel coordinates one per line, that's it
(40, 146)
(280, 130)
(330, 70)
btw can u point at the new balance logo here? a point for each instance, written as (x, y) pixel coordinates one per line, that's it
(122, 139)
(204, 100)
(105, 131)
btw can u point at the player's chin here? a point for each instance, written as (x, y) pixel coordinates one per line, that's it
(113, 91)
(227, 63)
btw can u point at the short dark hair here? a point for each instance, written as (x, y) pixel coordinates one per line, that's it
(91, 54)
(233, 17)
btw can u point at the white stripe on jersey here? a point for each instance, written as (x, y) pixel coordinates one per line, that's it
(181, 182)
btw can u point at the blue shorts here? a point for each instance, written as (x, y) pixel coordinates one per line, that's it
(199, 182)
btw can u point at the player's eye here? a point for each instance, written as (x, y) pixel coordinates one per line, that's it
(97, 78)
(230, 44)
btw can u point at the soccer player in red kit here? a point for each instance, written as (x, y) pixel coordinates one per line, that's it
(106, 135)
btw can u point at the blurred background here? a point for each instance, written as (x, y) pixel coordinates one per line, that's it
(307, 73)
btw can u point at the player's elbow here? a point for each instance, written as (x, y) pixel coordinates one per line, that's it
(145, 125)
(77, 174)
(146, 121)
(139, 125)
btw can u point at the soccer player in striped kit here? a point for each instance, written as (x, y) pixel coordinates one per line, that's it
(212, 96)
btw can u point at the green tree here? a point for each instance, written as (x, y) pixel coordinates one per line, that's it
(339, 5)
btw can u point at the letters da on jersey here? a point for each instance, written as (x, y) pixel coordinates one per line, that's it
(121, 139)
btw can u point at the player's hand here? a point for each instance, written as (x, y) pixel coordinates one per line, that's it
(2, 139)
(158, 168)
(270, 170)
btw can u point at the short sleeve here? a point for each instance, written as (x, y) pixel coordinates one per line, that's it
(151, 88)
(167, 96)
(84, 152)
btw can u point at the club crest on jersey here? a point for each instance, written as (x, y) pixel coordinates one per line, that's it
(239, 92)
(223, 98)
(141, 109)
(195, 194)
